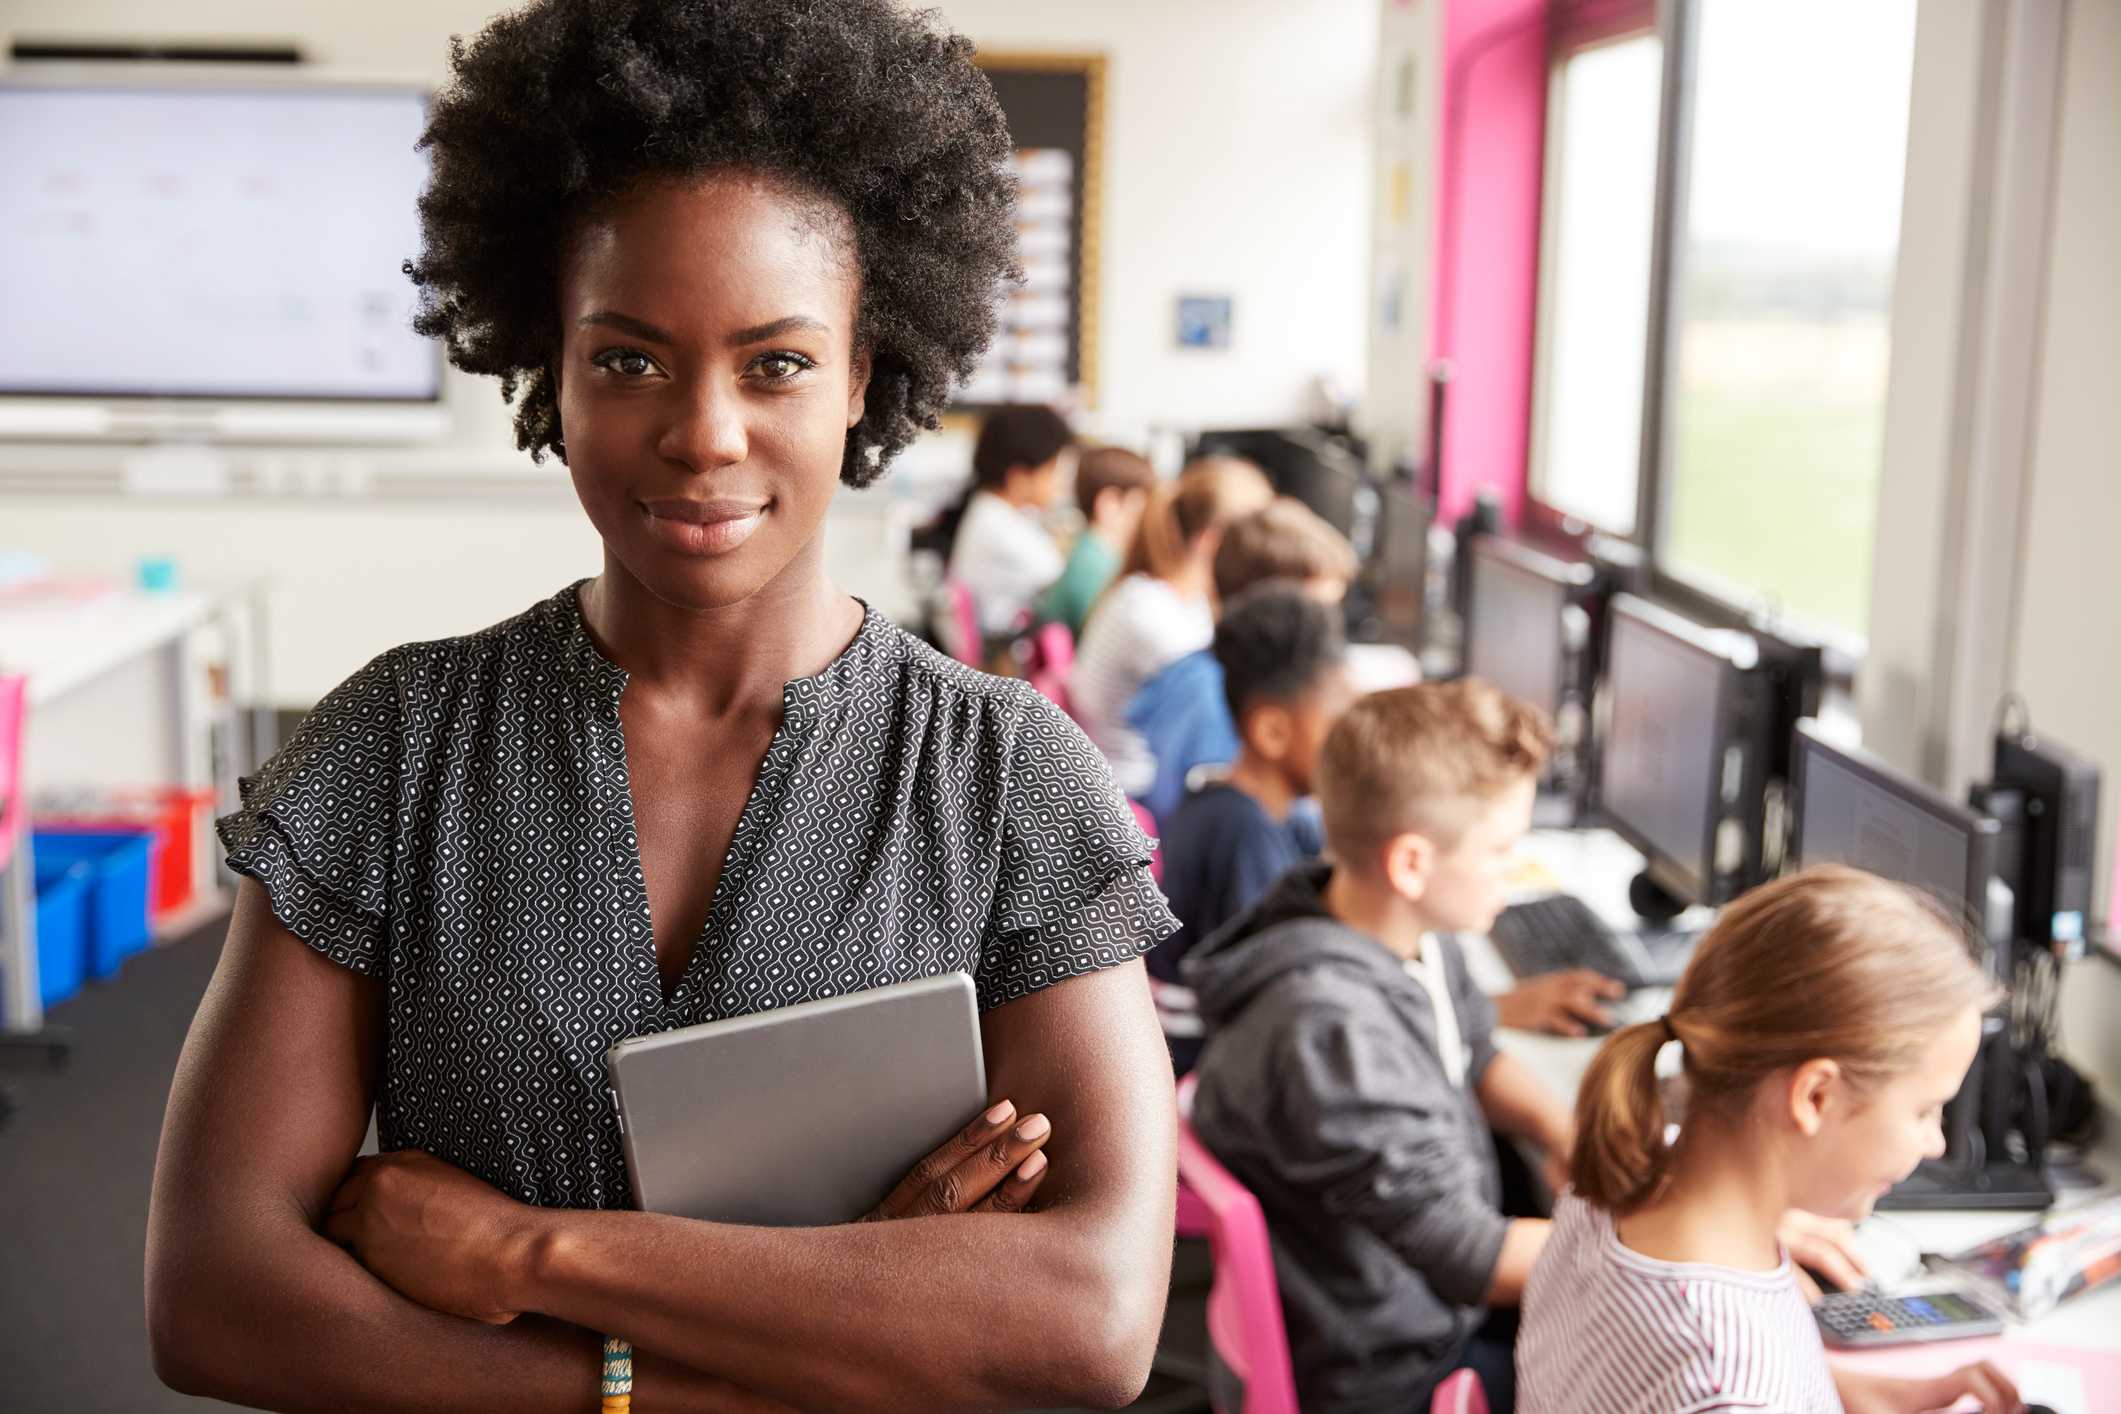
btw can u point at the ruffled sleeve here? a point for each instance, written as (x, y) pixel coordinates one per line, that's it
(318, 822)
(1074, 893)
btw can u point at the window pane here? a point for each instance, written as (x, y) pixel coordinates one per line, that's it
(1602, 184)
(1785, 287)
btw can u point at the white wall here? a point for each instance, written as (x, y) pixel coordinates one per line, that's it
(1236, 161)
(1983, 340)
(2066, 657)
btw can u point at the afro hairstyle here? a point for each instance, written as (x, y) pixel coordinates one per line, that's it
(877, 111)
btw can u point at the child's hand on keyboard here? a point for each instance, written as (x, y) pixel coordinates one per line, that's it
(1561, 1003)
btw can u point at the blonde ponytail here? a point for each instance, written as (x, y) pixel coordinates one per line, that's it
(1203, 498)
(1831, 963)
(1621, 1160)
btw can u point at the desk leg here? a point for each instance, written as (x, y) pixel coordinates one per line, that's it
(24, 1012)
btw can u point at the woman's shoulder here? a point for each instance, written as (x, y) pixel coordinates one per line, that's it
(944, 690)
(531, 649)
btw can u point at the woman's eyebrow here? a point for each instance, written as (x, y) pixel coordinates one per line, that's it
(627, 324)
(759, 332)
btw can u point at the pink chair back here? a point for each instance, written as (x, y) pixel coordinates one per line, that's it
(1244, 1303)
(1052, 656)
(964, 622)
(14, 718)
(1459, 1394)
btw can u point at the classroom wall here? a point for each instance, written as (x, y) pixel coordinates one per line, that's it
(1959, 299)
(2066, 655)
(1237, 161)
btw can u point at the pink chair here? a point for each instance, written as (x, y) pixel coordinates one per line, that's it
(14, 716)
(1244, 1303)
(963, 625)
(1459, 1394)
(1052, 655)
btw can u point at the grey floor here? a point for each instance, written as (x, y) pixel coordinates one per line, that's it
(75, 1163)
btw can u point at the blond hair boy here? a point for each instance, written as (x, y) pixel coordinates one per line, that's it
(1350, 1078)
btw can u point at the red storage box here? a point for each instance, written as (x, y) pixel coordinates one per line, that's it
(172, 813)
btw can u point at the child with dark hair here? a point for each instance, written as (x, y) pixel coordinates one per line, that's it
(1284, 675)
(1001, 551)
(1112, 488)
(1181, 713)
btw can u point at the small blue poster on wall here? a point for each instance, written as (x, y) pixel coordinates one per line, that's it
(1204, 321)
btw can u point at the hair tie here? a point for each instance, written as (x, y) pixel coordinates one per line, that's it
(1671, 1032)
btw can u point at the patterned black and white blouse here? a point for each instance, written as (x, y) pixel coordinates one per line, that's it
(455, 820)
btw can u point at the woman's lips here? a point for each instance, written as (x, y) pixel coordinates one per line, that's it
(703, 527)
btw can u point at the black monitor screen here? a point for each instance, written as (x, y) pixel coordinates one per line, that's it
(1856, 811)
(1662, 742)
(1301, 463)
(1514, 630)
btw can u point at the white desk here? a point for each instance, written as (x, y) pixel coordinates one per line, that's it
(1596, 865)
(120, 693)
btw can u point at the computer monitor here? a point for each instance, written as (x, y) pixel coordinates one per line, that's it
(1391, 585)
(1851, 808)
(1683, 747)
(1518, 632)
(1302, 462)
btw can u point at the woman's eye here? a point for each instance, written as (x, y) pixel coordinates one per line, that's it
(630, 363)
(778, 367)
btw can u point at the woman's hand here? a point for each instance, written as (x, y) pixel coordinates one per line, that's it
(434, 1233)
(987, 1168)
(1827, 1246)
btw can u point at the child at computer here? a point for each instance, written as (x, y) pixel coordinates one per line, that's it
(1112, 487)
(1001, 551)
(1282, 665)
(1350, 1078)
(1181, 713)
(1821, 1026)
(1161, 608)
(1280, 670)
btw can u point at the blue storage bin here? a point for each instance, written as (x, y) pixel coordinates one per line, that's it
(119, 863)
(62, 930)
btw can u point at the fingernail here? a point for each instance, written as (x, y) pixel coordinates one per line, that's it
(1032, 1167)
(1035, 1127)
(1000, 1113)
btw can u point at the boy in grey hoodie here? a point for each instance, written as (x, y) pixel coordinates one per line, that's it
(1350, 1079)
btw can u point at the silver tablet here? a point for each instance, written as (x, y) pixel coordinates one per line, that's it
(801, 1116)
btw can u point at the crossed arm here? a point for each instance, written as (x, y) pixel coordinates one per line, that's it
(249, 1301)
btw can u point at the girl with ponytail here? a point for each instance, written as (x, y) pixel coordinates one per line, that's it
(1161, 608)
(1821, 1027)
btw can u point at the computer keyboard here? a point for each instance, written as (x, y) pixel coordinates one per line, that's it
(1560, 931)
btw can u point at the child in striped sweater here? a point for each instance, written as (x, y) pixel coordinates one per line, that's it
(1823, 1024)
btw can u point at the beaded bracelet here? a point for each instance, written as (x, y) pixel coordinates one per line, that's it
(618, 1377)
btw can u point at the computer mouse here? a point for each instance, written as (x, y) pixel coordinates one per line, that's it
(2038, 1409)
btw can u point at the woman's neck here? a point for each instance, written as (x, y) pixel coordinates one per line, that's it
(1724, 1201)
(728, 657)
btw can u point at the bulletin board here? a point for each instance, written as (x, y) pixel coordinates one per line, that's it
(1046, 347)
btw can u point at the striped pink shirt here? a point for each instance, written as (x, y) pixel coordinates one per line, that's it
(1610, 1331)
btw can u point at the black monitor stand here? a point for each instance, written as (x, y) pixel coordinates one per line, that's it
(1977, 1170)
(1941, 1183)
